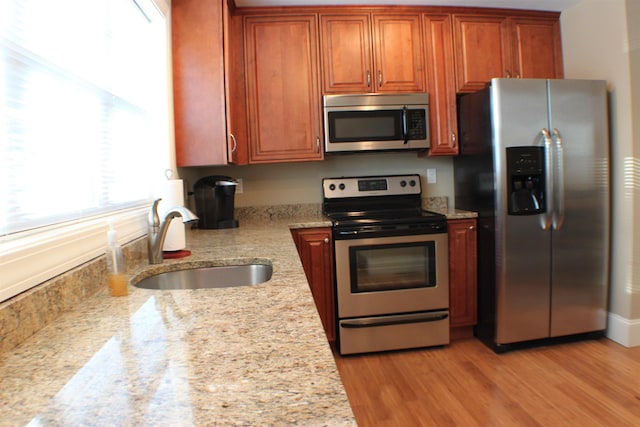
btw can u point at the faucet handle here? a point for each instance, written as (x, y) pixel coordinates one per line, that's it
(154, 219)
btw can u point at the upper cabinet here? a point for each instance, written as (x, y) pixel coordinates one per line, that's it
(482, 51)
(371, 53)
(248, 85)
(199, 89)
(537, 48)
(443, 118)
(489, 46)
(283, 93)
(234, 88)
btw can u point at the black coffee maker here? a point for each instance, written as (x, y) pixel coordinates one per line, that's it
(215, 201)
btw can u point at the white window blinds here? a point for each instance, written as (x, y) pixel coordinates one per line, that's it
(83, 109)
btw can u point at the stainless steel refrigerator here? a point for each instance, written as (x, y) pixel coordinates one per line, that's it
(534, 164)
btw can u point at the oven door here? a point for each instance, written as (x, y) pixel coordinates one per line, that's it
(392, 275)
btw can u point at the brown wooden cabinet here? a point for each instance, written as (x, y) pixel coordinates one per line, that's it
(283, 94)
(482, 50)
(234, 87)
(247, 85)
(489, 46)
(442, 85)
(202, 120)
(315, 248)
(463, 280)
(537, 48)
(372, 53)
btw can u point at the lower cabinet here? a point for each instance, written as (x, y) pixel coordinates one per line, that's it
(463, 276)
(315, 247)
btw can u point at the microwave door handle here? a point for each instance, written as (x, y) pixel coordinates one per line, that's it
(405, 130)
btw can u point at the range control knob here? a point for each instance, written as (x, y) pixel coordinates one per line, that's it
(412, 183)
(403, 183)
(342, 186)
(332, 187)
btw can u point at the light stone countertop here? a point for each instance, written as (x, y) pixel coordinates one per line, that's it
(244, 356)
(453, 214)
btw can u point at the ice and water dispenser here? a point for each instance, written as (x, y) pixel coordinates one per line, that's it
(526, 180)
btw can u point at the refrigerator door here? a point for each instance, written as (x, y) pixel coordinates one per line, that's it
(522, 312)
(580, 237)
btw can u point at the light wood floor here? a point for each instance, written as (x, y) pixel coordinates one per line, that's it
(587, 383)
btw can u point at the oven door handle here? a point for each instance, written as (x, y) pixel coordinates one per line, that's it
(393, 320)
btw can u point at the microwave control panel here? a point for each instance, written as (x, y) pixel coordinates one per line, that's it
(416, 121)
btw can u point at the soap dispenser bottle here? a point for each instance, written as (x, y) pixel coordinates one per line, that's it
(117, 278)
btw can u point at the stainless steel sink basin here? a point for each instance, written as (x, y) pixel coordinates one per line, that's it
(209, 277)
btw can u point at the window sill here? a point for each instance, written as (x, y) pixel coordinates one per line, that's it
(30, 260)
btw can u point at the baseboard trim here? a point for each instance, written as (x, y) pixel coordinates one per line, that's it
(624, 331)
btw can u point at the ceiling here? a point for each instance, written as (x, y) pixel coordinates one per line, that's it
(553, 5)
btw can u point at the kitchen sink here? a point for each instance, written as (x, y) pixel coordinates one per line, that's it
(209, 277)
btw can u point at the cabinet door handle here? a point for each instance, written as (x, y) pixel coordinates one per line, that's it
(380, 78)
(368, 78)
(326, 240)
(453, 138)
(317, 144)
(472, 227)
(508, 74)
(235, 142)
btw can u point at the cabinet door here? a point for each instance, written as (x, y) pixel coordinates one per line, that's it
(482, 50)
(198, 83)
(399, 60)
(283, 97)
(537, 48)
(315, 247)
(234, 85)
(346, 53)
(442, 87)
(463, 270)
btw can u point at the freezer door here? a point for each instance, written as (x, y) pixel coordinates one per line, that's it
(519, 113)
(580, 237)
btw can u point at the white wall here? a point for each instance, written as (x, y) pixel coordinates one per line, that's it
(293, 183)
(596, 45)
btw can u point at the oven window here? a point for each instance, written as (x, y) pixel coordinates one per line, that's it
(354, 126)
(392, 267)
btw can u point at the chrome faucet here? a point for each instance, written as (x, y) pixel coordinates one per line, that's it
(158, 229)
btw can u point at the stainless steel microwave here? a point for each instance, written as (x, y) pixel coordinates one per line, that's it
(376, 122)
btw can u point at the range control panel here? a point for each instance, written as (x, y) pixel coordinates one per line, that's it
(367, 186)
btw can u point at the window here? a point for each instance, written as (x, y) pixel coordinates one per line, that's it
(83, 119)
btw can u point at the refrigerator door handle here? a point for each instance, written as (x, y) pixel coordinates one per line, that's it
(546, 217)
(558, 185)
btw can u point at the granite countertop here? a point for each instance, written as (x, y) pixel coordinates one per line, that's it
(453, 214)
(253, 355)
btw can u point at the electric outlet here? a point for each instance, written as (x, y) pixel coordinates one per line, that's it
(239, 187)
(431, 176)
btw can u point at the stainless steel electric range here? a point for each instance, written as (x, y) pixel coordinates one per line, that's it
(391, 262)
